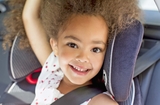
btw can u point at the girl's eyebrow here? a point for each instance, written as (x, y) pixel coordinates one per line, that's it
(72, 37)
(98, 42)
(94, 41)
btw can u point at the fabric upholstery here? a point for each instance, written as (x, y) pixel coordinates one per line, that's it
(22, 61)
(120, 62)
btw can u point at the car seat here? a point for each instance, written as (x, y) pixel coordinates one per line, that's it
(149, 62)
(22, 63)
(118, 66)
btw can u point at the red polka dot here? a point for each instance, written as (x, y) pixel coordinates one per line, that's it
(36, 103)
(54, 65)
(55, 98)
(45, 99)
(46, 66)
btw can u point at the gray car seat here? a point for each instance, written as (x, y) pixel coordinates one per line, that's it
(118, 66)
(149, 61)
(22, 63)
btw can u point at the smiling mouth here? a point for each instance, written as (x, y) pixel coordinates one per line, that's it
(79, 71)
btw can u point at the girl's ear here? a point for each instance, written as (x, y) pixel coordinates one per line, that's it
(54, 46)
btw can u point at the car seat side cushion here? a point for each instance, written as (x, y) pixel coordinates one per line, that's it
(125, 51)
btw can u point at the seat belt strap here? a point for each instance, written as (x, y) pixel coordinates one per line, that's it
(147, 59)
(80, 95)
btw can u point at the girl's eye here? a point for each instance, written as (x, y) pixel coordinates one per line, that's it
(96, 50)
(72, 45)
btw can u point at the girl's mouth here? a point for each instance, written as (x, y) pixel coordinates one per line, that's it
(79, 71)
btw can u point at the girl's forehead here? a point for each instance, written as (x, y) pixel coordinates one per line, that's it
(80, 21)
(86, 26)
(85, 18)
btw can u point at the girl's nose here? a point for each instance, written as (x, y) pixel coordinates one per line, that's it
(82, 57)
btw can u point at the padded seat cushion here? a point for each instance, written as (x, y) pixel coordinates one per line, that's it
(120, 60)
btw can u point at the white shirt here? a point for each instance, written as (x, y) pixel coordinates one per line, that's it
(46, 89)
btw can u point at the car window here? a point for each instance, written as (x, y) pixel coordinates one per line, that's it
(151, 15)
(148, 5)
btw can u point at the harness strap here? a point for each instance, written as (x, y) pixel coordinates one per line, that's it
(80, 95)
(147, 59)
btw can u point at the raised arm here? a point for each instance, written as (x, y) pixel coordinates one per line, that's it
(35, 31)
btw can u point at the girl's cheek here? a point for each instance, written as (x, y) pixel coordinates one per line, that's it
(97, 62)
(67, 54)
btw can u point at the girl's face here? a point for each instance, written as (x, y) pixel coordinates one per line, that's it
(81, 48)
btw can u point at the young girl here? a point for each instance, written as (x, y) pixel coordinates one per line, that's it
(79, 31)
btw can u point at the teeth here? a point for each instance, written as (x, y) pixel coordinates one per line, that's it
(79, 68)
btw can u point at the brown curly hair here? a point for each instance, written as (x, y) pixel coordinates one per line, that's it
(118, 14)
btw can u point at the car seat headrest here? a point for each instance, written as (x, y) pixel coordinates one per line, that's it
(120, 60)
(22, 61)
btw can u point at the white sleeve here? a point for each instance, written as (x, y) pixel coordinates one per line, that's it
(48, 81)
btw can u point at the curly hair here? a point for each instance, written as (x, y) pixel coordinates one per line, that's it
(14, 24)
(118, 14)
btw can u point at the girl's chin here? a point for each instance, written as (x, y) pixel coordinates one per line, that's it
(80, 82)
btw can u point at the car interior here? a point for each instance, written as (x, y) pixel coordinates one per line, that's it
(132, 70)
